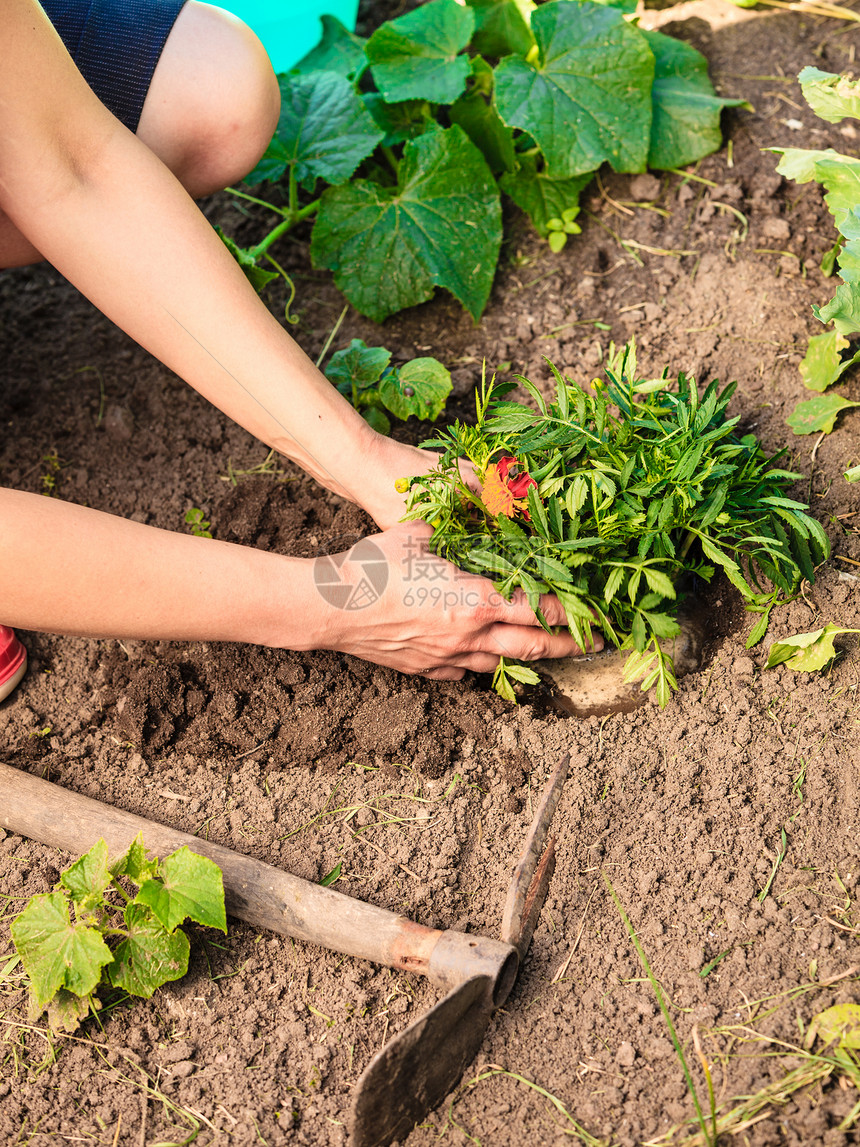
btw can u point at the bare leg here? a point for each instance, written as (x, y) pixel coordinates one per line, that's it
(210, 112)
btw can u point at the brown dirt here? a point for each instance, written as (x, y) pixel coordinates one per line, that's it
(422, 791)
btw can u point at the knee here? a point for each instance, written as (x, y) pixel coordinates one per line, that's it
(214, 100)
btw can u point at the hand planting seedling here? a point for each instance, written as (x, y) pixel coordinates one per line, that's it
(833, 98)
(89, 931)
(414, 136)
(610, 511)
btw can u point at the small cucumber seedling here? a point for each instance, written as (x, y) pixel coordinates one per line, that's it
(90, 931)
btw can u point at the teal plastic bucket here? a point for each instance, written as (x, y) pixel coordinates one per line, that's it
(290, 28)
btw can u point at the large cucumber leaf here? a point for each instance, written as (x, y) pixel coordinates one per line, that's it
(502, 27)
(686, 109)
(587, 100)
(57, 953)
(324, 131)
(190, 885)
(441, 226)
(417, 56)
(476, 113)
(339, 51)
(149, 955)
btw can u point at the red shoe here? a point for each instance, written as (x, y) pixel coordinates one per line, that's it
(13, 661)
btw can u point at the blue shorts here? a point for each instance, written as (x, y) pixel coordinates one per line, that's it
(116, 45)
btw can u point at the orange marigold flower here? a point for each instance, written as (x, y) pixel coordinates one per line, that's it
(503, 494)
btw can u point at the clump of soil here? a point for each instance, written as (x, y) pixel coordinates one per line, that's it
(422, 792)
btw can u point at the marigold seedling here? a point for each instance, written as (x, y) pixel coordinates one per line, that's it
(610, 512)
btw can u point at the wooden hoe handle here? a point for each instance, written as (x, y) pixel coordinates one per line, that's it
(259, 893)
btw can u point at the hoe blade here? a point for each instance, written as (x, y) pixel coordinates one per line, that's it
(415, 1071)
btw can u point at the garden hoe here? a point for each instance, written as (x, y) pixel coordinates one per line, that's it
(420, 1066)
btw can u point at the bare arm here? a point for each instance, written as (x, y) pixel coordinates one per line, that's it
(71, 569)
(108, 214)
(113, 219)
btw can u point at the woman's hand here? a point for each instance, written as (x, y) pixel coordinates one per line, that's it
(389, 460)
(394, 603)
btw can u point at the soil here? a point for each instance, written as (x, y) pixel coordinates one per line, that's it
(422, 792)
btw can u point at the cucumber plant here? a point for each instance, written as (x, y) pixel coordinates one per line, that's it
(833, 98)
(399, 147)
(90, 931)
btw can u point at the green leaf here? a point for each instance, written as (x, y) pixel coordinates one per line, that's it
(637, 632)
(576, 495)
(476, 113)
(88, 877)
(798, 163)
(66, 1011)
(613, 583)
(832, 97)
(389, 248)
(839, 1024)
(841, 178)
(818, 414)
(376, 419)
(588, 99)
(149, 955)
(333, 876)
(806, 652)
(256, 276)
(522, 673)
(358, 364)
(637, 666)
(495, 563)
(574, 606)
(853, 475)
(339, 50)
(406, 120)
(417, 56)
(324, 131)
(543, 198)
(55, 952)
(191, 886)
(828, 259)
(686, 109)
(502, 685)
(658, 582)
(823, 364)
(663, 625)
(134, 863)
(502, 27)
(843, 310)
(419, 389)
(730, 567)
(758, 630)
(551, 569)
